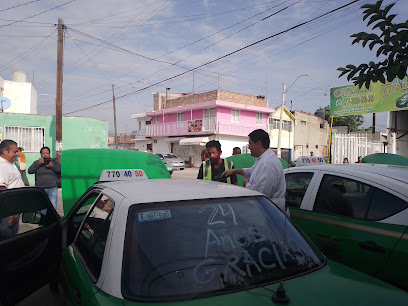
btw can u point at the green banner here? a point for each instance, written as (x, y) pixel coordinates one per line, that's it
(351, 100)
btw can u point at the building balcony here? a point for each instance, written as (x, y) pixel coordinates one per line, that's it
(138, 134)
(202, 127)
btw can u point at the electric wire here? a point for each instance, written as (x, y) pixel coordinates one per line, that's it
(25, 53)
(185, 46)
(224, 56)
(53, 8)
(22, 4)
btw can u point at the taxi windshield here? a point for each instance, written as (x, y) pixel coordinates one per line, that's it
(191, 249)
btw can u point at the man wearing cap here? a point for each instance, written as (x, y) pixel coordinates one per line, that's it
(9, 178)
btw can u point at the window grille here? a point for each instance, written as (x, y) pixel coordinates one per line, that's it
(31, 139)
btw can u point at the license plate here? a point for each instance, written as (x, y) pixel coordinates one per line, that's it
(154, 215)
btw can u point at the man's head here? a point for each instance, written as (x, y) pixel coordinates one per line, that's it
(311, 153)
(345, 160)
(360, 158)
(214, 149)
(20, 149)
(8, 150)
(236, 151)
(205, 155)
(45, 152)
(258, 142)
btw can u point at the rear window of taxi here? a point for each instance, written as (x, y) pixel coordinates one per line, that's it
(180, 250)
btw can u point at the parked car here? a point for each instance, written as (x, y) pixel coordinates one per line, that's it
(134, 241)
(173, 160)
(169, 168)
(357, 214)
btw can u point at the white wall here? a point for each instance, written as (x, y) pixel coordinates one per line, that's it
(23, 97)
(162, 145)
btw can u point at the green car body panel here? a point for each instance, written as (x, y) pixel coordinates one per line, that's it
(80, 168)
(338, 237)
(322, 287)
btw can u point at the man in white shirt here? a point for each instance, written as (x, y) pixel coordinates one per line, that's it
(10, 177)
(266, 175)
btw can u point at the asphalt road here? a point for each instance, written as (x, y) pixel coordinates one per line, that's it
(44, 296)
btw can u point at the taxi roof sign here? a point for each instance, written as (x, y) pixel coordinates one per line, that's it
(310, 160)
(110, 175)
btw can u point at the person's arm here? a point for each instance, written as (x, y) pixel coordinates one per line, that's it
(200, 173)
(230, 172)
(234, 179)
(35, 166)
(263, 181)
(55, 166)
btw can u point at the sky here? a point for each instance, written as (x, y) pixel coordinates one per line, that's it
(143, 47)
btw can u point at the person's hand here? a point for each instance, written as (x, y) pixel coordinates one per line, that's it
(244, 182)
(13, 219)
(49, 165)
(41, 161)
(227, 173)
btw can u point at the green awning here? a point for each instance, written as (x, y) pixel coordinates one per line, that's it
(386, 158)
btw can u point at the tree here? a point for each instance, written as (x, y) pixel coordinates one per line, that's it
(392, 43)
(353, 121)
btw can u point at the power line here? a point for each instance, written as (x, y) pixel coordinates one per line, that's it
(224, 56)
(25, 53)
(176, 64)
(6, 25)
(18, 5)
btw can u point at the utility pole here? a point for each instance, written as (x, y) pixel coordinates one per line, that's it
(58, 100)
(373, 129)
(278, 150)
(114, 116)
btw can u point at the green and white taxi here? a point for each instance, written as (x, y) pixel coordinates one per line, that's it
(356, 214)
(130, 240)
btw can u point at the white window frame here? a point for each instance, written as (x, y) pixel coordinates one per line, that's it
(30, 138)
(180, 119)
(235, 115)
(259, 118)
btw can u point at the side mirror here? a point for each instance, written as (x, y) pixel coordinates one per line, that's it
(32, 217)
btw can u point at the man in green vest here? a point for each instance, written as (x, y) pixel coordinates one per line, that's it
(212, 169)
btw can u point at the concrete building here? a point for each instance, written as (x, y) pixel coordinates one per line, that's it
(22, 94)
(35, 131)
(311, 133)
(183, 123)
(287, 132)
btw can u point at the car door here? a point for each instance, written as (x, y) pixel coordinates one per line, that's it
(30, 253)
(82, 259)
(341, 226)
(299, 189)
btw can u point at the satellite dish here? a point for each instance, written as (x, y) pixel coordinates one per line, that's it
(4, 103)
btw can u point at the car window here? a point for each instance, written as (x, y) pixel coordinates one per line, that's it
(185, 249)
(85, 205)
(170, 156)
(296, 186)
(343, 197)
(384, 205)
(92, 237)
(24, 210)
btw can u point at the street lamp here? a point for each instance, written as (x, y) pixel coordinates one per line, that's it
(284, 91)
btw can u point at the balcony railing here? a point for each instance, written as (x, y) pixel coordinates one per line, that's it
(139, 134)
(205, 127)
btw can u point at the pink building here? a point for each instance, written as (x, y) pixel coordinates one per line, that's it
(183, 123)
